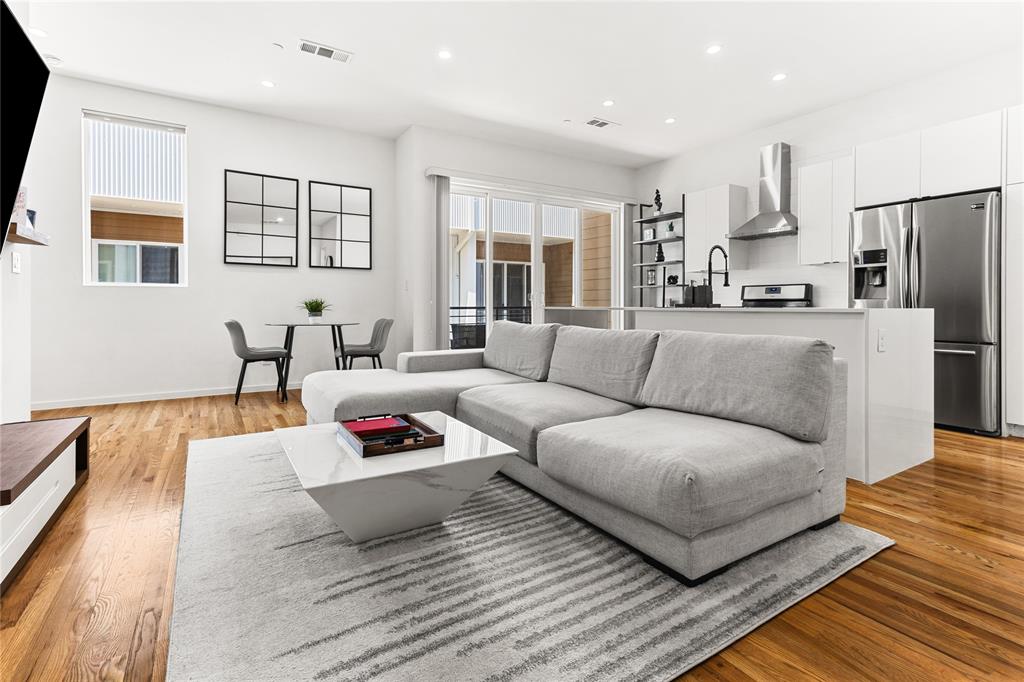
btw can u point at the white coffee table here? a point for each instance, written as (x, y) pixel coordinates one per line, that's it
(378, 496)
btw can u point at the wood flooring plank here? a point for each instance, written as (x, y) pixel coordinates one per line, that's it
(947, 602)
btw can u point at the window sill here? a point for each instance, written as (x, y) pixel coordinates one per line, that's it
(180, 285)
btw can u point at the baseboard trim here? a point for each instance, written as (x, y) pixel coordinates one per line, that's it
(1016, 430)
(166, 395)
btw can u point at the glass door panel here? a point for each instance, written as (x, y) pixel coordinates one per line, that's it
(467, 283)
(560, 227)
(596, 259)
(511, 252)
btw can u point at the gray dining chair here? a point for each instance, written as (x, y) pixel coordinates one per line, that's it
(372, 350)
(249, 354)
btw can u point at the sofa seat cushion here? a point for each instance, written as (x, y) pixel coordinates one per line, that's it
(516, 414)
(521, 349)
(347, 394)
(688, 472)
(779, 382)
(608, 362)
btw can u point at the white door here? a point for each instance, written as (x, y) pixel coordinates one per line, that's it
(842, 207)
(888, 170)
(696, 246)
(815, 215)
(962, 156)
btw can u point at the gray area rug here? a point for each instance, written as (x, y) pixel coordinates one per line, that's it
(510, 587)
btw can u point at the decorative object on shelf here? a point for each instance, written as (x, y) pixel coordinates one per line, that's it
(657, 202)
(315, 308)
(340, 226)
(652, 276)
(261, 219)
(671, 229)
(648, 234)
(661, 254)
(673, 279)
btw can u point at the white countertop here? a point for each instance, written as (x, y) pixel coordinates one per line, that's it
(737, 309)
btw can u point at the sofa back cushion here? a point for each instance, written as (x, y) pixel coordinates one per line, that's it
(607, 362)
(783, 383)
(521, 349)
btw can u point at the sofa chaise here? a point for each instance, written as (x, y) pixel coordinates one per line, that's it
(696, 449)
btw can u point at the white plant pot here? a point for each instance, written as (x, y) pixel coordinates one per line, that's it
(315, 319)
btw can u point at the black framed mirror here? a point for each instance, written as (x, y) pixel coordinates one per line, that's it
(261, 219)
(340, 226)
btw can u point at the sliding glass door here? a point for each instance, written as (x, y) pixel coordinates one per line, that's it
(512, 255)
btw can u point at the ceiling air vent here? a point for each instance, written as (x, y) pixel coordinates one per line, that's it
(600, 123)
(324, 51)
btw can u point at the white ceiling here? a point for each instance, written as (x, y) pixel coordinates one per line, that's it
(519, 69)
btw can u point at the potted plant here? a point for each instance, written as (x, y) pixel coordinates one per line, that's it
(315, 308)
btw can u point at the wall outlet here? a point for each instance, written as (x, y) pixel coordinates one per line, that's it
(16, 262)
(882, 342)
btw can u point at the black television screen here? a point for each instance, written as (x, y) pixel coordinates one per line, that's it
(23, 76)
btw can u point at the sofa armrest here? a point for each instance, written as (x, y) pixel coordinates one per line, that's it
(414, 362)
(833, 487)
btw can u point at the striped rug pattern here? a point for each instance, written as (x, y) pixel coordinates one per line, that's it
(510, 587)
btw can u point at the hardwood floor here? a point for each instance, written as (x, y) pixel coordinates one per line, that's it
(947, 602)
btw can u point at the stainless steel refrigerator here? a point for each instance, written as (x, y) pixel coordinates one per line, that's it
(943, 254)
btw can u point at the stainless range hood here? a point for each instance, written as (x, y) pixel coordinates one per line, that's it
(773, 218)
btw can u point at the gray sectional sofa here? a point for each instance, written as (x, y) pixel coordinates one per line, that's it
(696, 449)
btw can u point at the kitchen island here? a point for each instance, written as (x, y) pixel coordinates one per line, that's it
(890, 395)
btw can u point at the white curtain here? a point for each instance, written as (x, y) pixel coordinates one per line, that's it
(442, 224)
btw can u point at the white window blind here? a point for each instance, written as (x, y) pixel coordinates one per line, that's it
(135, 160)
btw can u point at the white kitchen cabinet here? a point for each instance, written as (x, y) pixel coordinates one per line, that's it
(711, 214)
(814, 213)
(842, 207)
(888, 170)
(1014, 333)
(1014, 145)
(962, 155)
(696, 231)
(825, 194)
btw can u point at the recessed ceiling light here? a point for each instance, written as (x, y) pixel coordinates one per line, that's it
(713, 49)
(567, 121)
(608, 103)
(277, 45)
(779, 77)
(53, 60)
(444, 54)
(38, 32)
(670, 120)
(267, 84)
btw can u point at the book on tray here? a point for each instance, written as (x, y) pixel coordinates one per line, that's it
(386, 434)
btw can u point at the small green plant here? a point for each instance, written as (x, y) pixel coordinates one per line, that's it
(315, 306)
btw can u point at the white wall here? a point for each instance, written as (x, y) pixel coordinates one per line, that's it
(974, 88)
(99, 344)
(421, 148)
(15, 334)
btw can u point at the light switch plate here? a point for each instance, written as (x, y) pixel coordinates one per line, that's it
(882, 342)
(16, 263)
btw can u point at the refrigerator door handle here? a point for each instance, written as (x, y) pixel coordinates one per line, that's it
(913, 264)
(950, 351)
(904, 266)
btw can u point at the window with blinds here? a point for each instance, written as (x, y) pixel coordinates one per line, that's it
(135, 182)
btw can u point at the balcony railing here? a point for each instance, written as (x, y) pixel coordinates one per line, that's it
(468, 324)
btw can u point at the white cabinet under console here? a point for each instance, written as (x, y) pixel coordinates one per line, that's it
(42, 463)
(890, 387)
(962, 156)
(825, 195)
